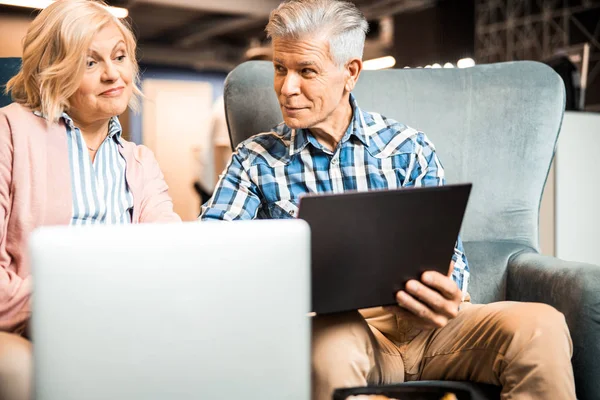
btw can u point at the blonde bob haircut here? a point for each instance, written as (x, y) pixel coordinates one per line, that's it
(54, 55)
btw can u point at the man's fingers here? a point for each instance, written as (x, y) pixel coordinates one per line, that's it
(432, 299)
(443, 284)
(408, 302)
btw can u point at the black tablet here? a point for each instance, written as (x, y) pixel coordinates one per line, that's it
(366, 245)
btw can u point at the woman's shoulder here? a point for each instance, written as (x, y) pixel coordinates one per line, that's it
(16, 117)
(16, 110)
(140, 152)
(17, 114)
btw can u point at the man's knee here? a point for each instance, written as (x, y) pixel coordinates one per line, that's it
(535, 322)
(340, 341)
(15, 367)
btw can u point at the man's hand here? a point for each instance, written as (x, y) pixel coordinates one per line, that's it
(430, 303)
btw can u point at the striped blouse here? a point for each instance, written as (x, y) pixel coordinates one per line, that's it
(100, 191)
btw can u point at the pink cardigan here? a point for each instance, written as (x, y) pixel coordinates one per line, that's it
(35, 190)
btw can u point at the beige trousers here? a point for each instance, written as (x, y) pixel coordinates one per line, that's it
(524, 347)
(15, 367)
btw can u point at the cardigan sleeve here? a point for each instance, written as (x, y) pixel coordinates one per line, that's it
(15, 290)
(156, 205)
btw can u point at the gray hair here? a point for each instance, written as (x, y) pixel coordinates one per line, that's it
(340, 21)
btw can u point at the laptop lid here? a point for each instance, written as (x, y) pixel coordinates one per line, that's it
(366, 245)
(181, 311)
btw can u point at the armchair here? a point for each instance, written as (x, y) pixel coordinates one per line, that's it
(495, 126)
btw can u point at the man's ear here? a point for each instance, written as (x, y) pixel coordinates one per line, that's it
(353, 69)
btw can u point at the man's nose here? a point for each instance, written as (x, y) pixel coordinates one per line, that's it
(291, 85)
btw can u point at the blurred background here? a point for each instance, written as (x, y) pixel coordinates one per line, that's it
(187, 47)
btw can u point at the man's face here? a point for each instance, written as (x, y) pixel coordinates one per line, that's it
(309, 85)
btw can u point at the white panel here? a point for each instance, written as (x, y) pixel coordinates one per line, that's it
(578, 189)
(547, 216)
(176, 119)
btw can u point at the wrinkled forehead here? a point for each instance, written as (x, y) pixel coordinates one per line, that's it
(108, 38)
(304, 50)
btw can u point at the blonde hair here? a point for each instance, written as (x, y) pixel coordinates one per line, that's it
(54, 52)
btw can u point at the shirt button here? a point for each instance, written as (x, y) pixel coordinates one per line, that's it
(291, 213)
(334, 161)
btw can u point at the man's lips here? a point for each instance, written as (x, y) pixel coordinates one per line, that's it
(293, 109)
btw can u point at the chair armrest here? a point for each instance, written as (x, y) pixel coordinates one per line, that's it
(573, 288)
(425, 390)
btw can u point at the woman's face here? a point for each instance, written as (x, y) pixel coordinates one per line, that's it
(106, 87)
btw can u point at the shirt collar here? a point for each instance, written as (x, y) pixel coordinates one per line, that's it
(301, 137)
(114, 127)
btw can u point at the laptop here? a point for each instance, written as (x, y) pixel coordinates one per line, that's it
(172, 311)
(367, 245)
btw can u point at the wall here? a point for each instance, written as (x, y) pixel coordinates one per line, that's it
(171, 129)
(12, 31)
(216, 79)
(176, 124)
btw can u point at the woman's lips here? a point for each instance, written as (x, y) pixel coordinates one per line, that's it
(113, 92)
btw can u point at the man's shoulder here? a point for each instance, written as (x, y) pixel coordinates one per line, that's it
(389, 137)
(273, 145)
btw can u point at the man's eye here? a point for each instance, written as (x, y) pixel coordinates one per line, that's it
(308, 71)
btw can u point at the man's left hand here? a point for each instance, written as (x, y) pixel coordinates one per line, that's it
(432, 302)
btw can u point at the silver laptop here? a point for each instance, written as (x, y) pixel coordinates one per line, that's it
(172, 311)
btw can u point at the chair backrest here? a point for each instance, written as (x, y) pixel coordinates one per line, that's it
(493, 125)
(9, 66)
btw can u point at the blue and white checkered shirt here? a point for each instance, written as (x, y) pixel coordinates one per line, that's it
(270, 171)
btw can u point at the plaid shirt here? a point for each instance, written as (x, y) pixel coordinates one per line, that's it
(269, 172)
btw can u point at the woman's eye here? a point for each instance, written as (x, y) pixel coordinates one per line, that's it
(91, 63)
(121, 58)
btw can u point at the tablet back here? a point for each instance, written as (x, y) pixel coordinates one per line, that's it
(366, 245)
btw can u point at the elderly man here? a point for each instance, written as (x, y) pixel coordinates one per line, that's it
(327, 144)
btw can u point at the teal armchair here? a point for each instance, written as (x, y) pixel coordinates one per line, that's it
(495, 126)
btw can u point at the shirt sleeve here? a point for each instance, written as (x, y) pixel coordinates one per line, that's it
(235, 196)
(427, 170)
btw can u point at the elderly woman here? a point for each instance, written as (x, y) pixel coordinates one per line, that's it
(62, 158)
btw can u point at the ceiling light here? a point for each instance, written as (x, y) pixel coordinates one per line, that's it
(448, 65)
(436, 65)
(379, 63)
(116, 11)
(465, 63)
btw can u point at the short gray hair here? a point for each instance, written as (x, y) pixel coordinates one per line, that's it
(339, 21)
